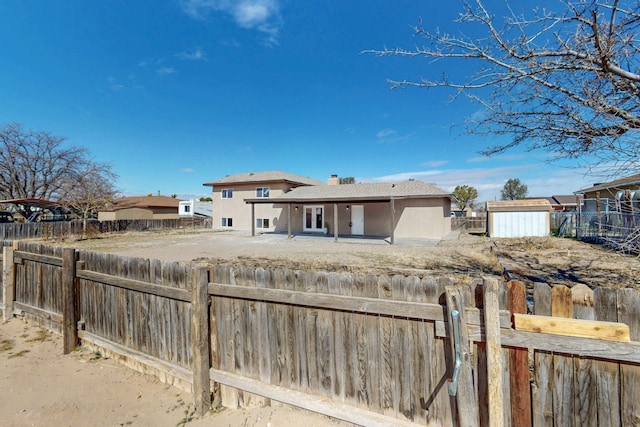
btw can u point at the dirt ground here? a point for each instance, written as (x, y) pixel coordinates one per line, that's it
(543, 259)
(42, 387)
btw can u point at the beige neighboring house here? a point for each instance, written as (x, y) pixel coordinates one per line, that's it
(141, 207)
(408, 210)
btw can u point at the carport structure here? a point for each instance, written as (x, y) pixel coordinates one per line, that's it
(409, 209)
(35, 209)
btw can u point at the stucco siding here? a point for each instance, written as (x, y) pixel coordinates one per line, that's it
(240, 212)
(422, 218)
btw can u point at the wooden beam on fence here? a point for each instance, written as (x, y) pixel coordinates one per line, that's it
(318, 404)
(8, 282)
(200, 339)
(519, 362)
(494, 353)
(136, 285)
(69, 307)
(610, 331)
(467, 402)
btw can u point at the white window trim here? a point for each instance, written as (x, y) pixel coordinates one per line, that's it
(224, 221)
(226, 191)
(262, 196)
(304, 219)
(262, 221)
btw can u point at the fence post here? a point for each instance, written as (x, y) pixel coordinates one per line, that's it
(465, 391)
(519, 362)
(200, 338)
(8, 282)
(494, 353)
(69, 306)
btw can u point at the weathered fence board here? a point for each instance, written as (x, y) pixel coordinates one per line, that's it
(377, 344)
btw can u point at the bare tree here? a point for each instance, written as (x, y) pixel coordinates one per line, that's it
(36, 164)
(563, 80)
(93, 189)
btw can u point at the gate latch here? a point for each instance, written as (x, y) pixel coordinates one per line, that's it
(457, 345)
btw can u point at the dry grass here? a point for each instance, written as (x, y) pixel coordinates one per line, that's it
(6, 345)
(548, 259)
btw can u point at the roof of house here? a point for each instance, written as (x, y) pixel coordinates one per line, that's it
(144, 202)
(567, 200)
(615, 184)
(271, 176)
(361, 192)
(523, 205)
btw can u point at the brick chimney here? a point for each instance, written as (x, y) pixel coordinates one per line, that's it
(333, 180)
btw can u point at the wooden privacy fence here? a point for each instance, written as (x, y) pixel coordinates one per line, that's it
(371, 350)
(59, 229)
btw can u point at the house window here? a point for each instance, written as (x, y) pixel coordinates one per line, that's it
(262, 222)
(187, 208)
(262, 192)
(227, 222)
(227, 193)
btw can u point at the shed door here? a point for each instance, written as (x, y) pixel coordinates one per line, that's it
(519, 224)
(357, 220)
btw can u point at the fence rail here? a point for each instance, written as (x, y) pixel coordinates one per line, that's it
(372, 350)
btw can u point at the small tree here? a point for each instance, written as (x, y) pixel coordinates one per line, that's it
(514, 190)
(347, 180)
(465, 196)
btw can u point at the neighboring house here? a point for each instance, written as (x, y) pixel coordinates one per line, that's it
(229, 194)
(519, 218)
(568, 203)
(618, 195)
(141, 207)
(409, 209)
(194, 208)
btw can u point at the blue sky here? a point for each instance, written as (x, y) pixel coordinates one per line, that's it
(176, 93)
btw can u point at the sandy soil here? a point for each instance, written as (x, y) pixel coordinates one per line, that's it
(41, 387)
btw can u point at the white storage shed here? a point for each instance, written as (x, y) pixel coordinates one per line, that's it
(519, 218)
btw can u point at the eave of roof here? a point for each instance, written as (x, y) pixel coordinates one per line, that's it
(528, 205)
(366, 192)
(263, 177)
(615, 184)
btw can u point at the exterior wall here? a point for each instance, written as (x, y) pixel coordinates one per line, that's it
(240, 212)
(138, 213)
(422, 218)
(519, 224)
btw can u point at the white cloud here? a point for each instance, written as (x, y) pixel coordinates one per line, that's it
(390, 136)
(114, 86)
(501, 157)
(197, 54)
(261, 15)
(187, 170)
(434, 163)
(385, 133)
(165, 71)
(541, 179)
